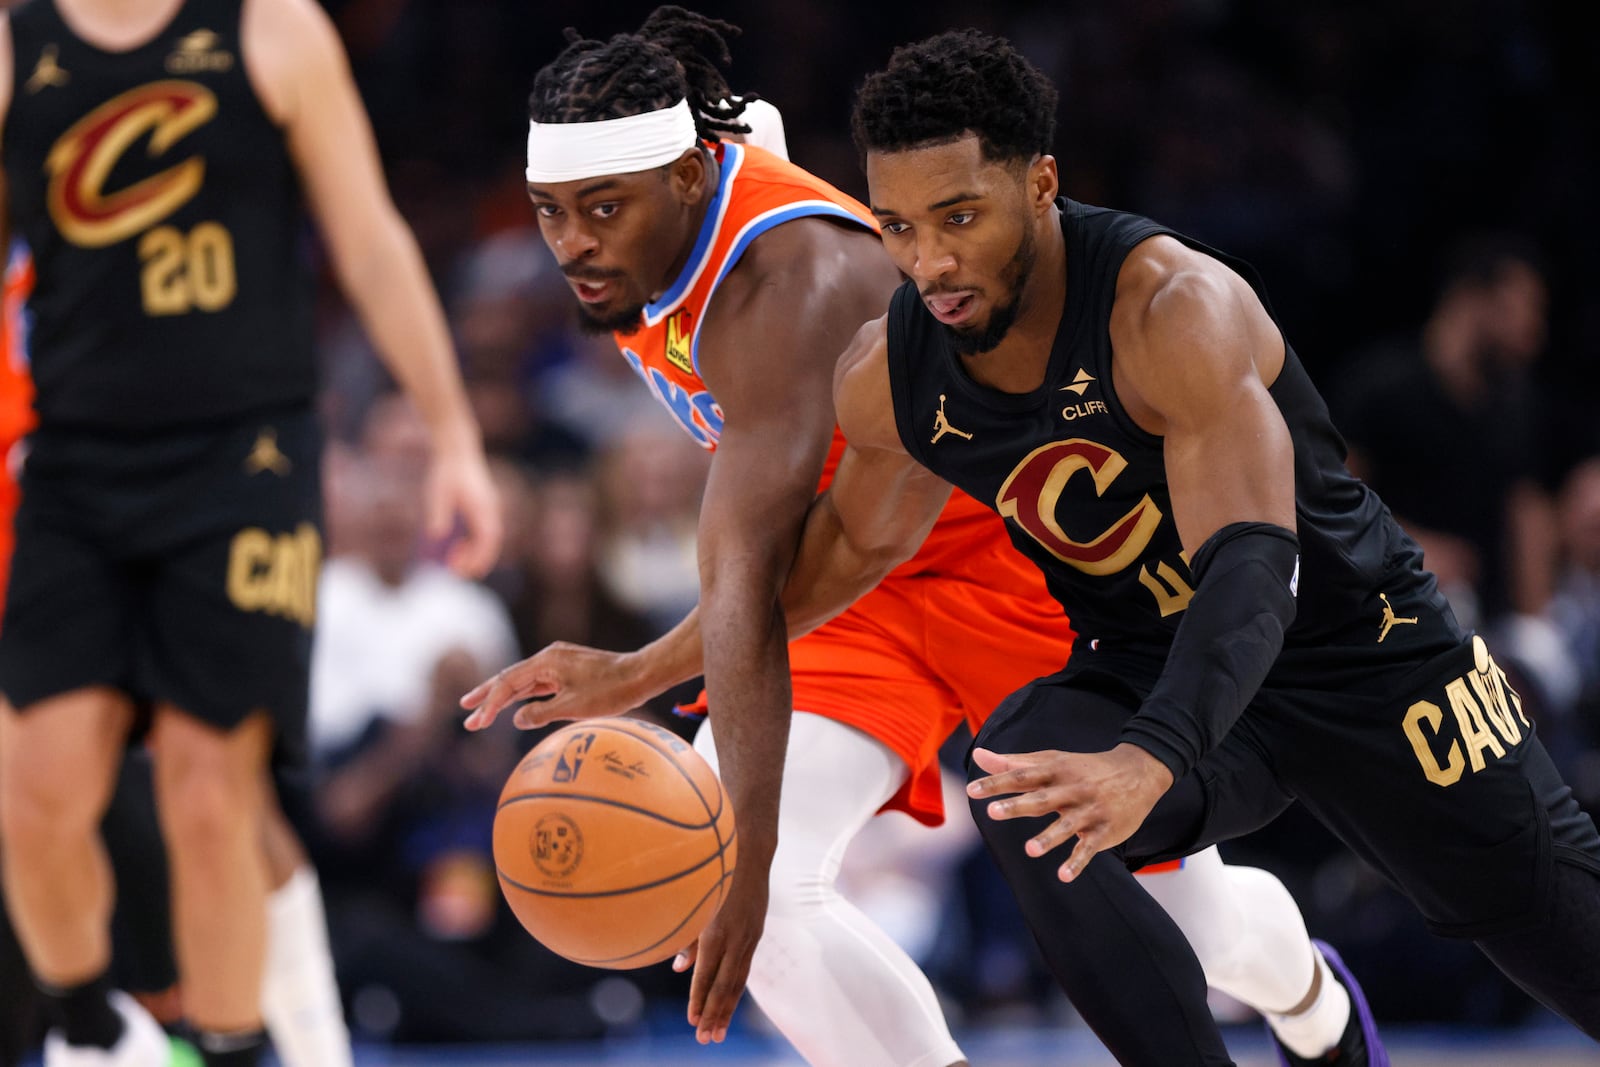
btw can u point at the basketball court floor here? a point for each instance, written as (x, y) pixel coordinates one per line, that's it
(1552, 1046)
(1546, 1045)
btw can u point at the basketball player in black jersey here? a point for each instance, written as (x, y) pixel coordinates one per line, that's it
(168, 543)
(1255, 628)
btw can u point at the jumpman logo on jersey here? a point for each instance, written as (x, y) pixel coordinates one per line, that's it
(941, 425)
(1391, 620)
(48, 71)
(266, 456)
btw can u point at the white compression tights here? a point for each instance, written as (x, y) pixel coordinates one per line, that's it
(833, 983)
(1243, 925)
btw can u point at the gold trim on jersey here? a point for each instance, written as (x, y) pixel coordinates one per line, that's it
(81, 161)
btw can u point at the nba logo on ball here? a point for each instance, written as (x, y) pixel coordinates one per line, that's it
(614, 843)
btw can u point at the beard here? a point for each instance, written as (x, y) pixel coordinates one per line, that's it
(976, 340)
(626, 321)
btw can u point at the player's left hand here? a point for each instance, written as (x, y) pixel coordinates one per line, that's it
(1101, 797)
(721, 957)
(459, 485)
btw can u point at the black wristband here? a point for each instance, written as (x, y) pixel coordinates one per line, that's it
(1247, 574)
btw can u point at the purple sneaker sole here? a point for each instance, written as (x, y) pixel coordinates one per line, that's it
(1377, 1055)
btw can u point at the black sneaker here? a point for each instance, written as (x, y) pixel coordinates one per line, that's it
(1359, 1045)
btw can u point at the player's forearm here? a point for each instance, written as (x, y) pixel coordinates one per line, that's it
(829, 574)
(747, 684)
(1230, 636)
(832, 570)
(387, 283)
(676, 656)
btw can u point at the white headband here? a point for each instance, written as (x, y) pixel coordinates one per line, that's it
(573, 151)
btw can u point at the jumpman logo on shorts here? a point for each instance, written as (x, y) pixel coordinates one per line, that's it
(266, 456)
(941, 425)
(1391, 620)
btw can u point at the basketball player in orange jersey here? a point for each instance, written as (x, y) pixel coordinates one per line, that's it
(167, 539)
(732, 280)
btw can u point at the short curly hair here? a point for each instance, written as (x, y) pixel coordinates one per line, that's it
(958, 82)
(676, 54)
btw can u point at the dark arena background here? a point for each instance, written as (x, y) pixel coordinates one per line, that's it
(1352, 151)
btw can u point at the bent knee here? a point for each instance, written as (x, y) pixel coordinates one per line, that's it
(37, 808)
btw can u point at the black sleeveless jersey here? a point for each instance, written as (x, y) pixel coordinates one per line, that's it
(1083, 489)
(164, 217)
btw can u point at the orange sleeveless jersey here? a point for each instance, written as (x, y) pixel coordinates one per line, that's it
(948, 634)
(16, 399)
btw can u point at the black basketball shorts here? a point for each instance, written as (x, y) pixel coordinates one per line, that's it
(1435, 777)
(1442, 784)
(177, 566)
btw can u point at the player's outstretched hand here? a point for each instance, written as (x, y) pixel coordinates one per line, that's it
(565, 681)
(721, 957)
(460, 487)
(1101, 797)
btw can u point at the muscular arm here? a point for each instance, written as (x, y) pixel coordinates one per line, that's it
(300, 72)
(767, 350)
(1195, 351)
(874, 515)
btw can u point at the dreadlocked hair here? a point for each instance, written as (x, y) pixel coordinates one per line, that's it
(676, 54)
(962, 81)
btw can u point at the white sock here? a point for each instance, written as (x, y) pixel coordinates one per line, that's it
(299, 995)
(1252, 944)
(1318, 1028)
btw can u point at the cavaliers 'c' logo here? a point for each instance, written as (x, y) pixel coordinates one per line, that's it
(91, 216)
(1030, 495)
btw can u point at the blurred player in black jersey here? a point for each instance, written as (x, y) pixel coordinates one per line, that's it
(168, 540)
(1254, 628)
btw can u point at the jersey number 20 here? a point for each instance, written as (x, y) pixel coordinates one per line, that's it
(187, 272)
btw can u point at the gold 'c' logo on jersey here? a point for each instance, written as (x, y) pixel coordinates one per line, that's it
(82, 159)
(1032, 492)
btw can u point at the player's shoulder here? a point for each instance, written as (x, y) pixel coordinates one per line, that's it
(1167, 291)
(285, 42)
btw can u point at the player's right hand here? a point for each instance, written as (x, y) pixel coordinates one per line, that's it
(721, 955)
(564, 681)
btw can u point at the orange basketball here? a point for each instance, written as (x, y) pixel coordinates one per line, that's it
(614, 843)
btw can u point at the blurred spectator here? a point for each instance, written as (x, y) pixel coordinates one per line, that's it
(1575, 610)
(650, 480)
(561, 596)
(386, 617)
(1445, 425)
(595, 396)
(509, 313)
(425, 945)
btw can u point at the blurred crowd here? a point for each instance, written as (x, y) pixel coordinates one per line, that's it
(1414, 182)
